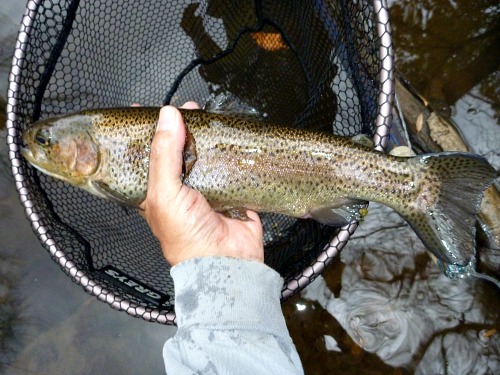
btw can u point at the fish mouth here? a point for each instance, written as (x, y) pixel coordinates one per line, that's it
(27, 154)
(30, 157)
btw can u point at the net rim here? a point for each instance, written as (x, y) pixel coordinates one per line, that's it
(290, 288)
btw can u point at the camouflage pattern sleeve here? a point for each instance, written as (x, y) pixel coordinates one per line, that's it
(229, 320)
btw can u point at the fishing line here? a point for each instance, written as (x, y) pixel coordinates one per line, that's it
(485, 277)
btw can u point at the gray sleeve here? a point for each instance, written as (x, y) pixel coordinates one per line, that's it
(229, 320)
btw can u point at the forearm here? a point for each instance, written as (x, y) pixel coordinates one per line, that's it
(230, 320)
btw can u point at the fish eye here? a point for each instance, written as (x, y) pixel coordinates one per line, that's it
(42, 137)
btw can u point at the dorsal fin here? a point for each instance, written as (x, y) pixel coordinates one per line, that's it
(228, 104)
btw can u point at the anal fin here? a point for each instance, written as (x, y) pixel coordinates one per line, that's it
(341, 214)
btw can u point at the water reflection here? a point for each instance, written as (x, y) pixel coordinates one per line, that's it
(445, 47)
(475, 117)
(468, 351)
(394, 301)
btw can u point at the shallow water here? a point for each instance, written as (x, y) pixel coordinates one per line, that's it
(382, 307)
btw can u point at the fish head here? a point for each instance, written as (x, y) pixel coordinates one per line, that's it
(63, 148)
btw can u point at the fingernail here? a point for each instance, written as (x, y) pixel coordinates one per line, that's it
(167, 119)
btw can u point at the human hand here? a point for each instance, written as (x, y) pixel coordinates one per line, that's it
(180, 217)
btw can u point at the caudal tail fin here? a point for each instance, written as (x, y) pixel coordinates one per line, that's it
(447, 228)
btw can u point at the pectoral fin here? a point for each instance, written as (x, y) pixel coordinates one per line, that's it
(189, 154)
(229, 104)
(104, 191)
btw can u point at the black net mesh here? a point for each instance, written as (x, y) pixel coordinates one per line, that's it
(324, 65)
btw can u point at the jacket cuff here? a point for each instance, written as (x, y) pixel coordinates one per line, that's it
(228, 293)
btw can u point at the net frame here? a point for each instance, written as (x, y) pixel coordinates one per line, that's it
(121, 302)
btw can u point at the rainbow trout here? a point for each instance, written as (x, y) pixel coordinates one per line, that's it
(238, 164)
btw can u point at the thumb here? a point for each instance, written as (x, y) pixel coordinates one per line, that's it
(165, 164)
